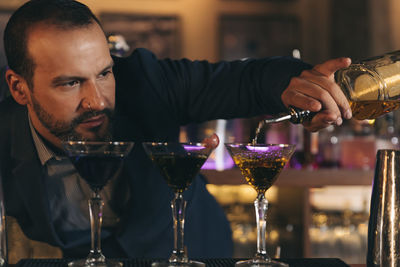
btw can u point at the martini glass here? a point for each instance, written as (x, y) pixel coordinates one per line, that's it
(97, 163)
(179, 163)
(260, 164)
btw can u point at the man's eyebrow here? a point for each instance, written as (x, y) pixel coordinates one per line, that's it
(64, 78)
(109, 66)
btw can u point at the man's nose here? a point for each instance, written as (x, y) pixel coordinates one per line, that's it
(93, 98)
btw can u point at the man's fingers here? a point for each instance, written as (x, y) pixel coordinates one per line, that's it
(329, 67)
(333, 89)
(302, 101)
(294, 95)
(312, 96)
(322, 120)
(341, 101)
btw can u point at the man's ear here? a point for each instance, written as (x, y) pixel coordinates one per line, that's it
(18, 87)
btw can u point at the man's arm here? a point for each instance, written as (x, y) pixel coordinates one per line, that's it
(200, 91)
(196, 91)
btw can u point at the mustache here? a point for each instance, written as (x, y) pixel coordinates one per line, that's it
(89, 114)
(68, 133)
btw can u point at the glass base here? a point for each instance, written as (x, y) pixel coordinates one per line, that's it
(85, 263)
(180, 264)
(260, 263)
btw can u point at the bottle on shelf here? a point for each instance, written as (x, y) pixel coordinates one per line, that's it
(329, 147)
(306, 148)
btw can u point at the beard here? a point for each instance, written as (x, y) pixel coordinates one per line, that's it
(66, 130)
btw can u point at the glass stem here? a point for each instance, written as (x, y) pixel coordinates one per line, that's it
(261, 206)
(178, 205)
(96, 212)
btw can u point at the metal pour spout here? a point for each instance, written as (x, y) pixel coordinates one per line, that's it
(295, 116)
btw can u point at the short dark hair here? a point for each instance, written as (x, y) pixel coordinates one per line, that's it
(64, 14)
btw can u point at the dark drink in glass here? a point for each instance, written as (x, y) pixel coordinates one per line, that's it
(97, 170)
(178, 170)
(178, 164)
(96, 163)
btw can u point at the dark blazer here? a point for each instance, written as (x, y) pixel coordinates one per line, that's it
(153, 99)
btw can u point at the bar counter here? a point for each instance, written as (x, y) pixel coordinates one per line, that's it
(209, 262)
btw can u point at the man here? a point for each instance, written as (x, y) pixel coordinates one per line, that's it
(65, 85)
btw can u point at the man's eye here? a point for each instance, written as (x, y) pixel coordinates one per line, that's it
(71, 84)
(105, 73)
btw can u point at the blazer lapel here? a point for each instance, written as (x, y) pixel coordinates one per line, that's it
(28, 173)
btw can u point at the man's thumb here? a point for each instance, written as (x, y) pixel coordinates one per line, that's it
(331, 66)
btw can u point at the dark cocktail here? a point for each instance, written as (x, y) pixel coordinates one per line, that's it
(97, 163)
(97, 170)
(179, 163)
(179, 170)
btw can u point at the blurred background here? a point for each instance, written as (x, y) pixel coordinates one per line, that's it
(320, 204)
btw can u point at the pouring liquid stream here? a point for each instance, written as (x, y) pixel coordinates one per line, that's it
(261, 125)
(294, 115)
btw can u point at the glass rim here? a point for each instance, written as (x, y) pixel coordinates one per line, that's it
(259, 144)
(81, 142)
(174, 143)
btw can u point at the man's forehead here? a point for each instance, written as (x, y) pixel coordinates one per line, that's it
(49, 45)
(42, 30)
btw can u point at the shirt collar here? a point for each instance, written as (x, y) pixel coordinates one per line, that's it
(44, 152)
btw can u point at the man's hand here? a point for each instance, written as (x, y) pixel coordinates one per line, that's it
(316, 90)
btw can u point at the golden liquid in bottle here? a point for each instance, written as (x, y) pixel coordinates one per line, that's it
(260, 173)
(371, 109)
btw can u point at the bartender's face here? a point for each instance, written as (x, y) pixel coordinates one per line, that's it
(73, 92)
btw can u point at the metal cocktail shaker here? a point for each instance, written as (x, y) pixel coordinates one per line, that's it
(384, 220)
